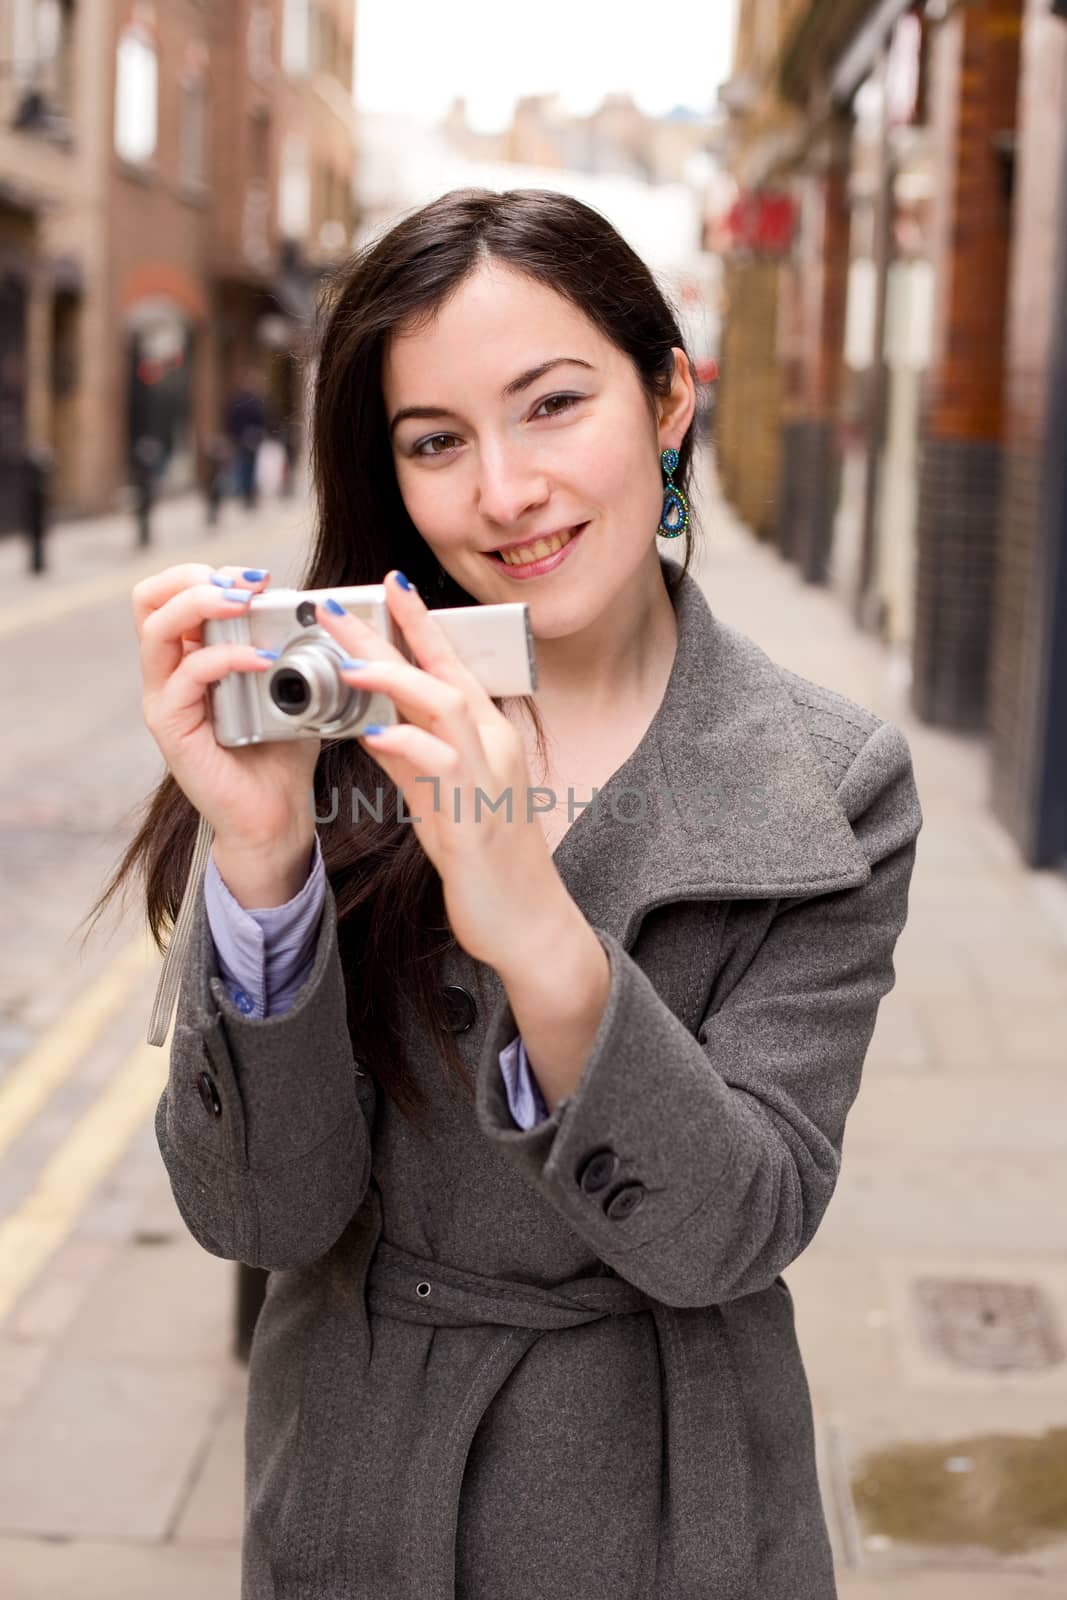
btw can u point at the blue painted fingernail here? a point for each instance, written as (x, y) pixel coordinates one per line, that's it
(222, 583)
(374, 727)
(334, 607)
(268, 655)
(255, 573)
(351, 663)
(238, 594)
(402, 581)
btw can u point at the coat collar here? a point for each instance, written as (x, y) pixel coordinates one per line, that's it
(730, 796)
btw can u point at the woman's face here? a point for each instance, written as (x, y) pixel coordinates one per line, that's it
(532, 424)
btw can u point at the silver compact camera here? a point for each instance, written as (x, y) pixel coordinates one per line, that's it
(303, 695)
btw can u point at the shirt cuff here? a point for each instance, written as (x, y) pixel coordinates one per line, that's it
(525, 1100)
(264, 955)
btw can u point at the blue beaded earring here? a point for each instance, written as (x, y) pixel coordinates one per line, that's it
(674, 518)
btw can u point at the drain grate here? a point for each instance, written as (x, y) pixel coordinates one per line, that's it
(988, 1326)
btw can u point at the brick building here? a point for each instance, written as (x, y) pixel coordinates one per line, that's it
(908, 341)
(52, 266)
(174, 179)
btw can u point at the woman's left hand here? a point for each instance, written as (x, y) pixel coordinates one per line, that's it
(499, 881)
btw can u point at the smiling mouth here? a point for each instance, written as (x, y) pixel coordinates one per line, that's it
(528, 553)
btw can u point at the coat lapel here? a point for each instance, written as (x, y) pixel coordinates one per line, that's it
(725, 797)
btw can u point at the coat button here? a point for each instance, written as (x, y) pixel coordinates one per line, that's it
(625, 1202)
(459, 1003)
(598, 1171)
(209, 1094)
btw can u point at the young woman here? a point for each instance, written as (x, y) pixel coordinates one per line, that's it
(526, 1112)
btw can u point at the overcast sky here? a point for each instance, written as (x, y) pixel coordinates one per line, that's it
(419, 56)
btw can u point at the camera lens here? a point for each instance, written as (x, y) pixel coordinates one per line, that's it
(290, 691)
(305, 613)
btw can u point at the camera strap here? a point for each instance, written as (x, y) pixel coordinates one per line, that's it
(170, 975)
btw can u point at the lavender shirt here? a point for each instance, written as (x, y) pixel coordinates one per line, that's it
(265, 957)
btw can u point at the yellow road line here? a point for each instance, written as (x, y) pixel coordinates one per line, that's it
(53, 1058)
(35, 609)
(33, 1233)
(49, 607)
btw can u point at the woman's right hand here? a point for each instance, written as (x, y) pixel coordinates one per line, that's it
(256, 797)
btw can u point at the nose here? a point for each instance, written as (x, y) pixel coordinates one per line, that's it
(510, 483)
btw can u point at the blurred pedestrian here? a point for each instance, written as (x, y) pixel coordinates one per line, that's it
(216, 465)
(246, 428)
(287, 435)
(145, 469)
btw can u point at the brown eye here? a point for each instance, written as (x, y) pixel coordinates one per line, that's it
(566, 401)
(421, 450)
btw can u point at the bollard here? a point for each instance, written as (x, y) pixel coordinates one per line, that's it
(251, 1288)
(37, 467)
(146, 455)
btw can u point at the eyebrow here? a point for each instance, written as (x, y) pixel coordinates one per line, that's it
(510, 390)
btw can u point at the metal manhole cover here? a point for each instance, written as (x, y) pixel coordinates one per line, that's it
(988, 1326)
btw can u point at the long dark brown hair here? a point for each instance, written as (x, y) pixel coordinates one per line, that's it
(391, 920)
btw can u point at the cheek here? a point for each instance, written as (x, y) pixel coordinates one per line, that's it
(618, 478)
(432, 502)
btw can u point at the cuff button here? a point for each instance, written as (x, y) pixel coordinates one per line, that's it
(598, 1171)
(209, 1094)
(625, 1202)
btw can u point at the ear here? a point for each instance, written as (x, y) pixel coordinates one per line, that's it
(676, 408)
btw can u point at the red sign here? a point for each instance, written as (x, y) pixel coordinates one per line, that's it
(763, 222)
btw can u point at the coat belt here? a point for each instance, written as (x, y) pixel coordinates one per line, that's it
(707, 1537)
(416, 1289)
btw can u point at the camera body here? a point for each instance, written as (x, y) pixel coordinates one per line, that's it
(303, 695)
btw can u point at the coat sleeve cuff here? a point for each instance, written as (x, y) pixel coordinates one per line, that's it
(264, 1122)
(616, 1194)
(285, 1083)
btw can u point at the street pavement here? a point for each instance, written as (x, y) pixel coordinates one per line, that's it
(121, 1405)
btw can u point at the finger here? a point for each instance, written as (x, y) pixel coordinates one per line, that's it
(355, 636)
(423, 767)
(165, 628)
(440, 708)
(431, 647)
(154, 591)
(183, 693)
(433, 778)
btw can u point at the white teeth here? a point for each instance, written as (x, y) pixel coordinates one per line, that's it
(536, 552)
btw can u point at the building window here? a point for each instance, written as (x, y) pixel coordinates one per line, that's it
(296, 37)
(255, 223)
(42, 41)
(194, 128)
(294, 188)
(260, 141)
(136, 95)
(260, 43)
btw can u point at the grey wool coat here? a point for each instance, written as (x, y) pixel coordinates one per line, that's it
(560, 1363)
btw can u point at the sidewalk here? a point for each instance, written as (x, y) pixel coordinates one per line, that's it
(121, 1411)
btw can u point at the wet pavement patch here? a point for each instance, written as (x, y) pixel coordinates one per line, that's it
(1001, 1492)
